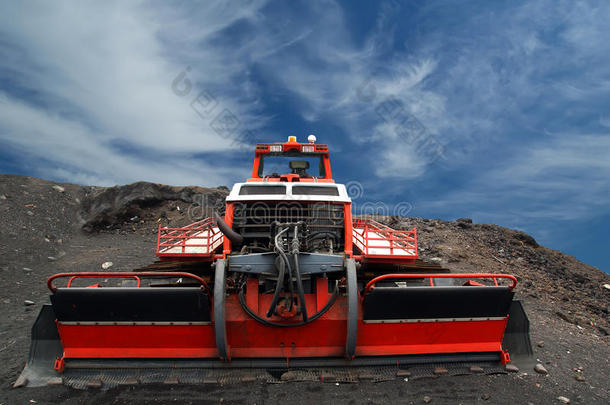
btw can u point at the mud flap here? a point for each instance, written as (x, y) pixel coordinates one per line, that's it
(45, 348)
(517, 336)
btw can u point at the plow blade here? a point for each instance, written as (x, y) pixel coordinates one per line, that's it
(517, 336)
(104, 337)
(46, 348)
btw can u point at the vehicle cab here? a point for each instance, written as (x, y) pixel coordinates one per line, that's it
(291, 161)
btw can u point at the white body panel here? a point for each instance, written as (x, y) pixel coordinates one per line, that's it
(288, 196)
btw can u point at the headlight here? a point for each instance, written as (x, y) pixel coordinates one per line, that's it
(276, 148)
(308, 148)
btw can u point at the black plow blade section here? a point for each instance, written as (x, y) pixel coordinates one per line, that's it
(437, 302)
(110, 304)
(517, 336)
(45, 348)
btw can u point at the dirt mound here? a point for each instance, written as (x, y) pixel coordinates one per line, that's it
(111, 208)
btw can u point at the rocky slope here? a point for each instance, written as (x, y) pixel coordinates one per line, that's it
(575, 290)
(49, 227)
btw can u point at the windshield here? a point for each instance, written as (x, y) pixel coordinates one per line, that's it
(303, 164)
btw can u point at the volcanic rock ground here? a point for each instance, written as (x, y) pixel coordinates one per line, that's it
(48, 227)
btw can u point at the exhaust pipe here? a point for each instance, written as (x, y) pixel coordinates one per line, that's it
(233, 236)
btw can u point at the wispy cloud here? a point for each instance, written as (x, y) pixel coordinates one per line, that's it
(566, 180)
(83, 77)
(491, 85)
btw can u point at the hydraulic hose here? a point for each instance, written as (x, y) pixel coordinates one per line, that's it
(280, 251)
(281, 267)
(300, 290)
(283, 263)
(295, 255)
(233, 236)
(246, 308)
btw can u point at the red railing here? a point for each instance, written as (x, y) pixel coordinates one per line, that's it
(135, 275)
(494, 277)
(198, 239)
(389, 243)
(138, 281)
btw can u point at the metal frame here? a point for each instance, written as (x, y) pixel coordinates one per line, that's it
(341, 332)
(389, 239)
(263, 263)
(135, 275)
(202, 234)
(370, 285)
(319, 150)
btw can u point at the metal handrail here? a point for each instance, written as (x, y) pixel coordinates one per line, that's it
(494, 277)
(138, 281)
(397, 239)
(136, 275)
(177, 237)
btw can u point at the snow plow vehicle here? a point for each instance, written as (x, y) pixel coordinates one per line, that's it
(286, 279)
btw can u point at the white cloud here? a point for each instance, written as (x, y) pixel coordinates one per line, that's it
(85, 159)
(565, 179)
(101, 73)
(336, 80)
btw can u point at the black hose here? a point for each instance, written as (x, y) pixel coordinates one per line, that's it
(318, 314)
(300, 286)
(280, 251)
(295, 255)
(233, 236)
(290, 280)
(280, 280)
(281, 266)
(316, 235)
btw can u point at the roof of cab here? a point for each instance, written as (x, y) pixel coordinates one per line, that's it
(295, 191)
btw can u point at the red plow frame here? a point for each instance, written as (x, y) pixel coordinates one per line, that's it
(324, 338)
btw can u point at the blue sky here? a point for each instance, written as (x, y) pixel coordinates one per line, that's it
(498, 111)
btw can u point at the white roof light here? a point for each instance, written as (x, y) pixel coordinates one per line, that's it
(311, 138)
